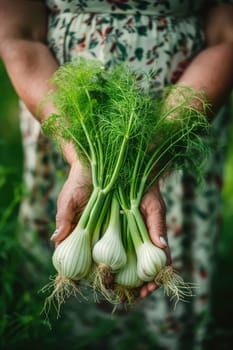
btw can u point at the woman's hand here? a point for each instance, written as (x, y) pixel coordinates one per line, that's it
(153, 210)
(73, 196)
(71, 201)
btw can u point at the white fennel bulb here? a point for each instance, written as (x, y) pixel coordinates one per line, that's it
(150, 261)
(128, 276)
(109, 250)
(72, 257)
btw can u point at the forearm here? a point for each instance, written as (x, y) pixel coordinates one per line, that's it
(211, 71)
(30, 65)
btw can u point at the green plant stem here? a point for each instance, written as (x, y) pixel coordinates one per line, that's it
(98, 153)
(103, 218)
(88, 208)
(155, 159)
(148, 185)
(115, 212)
(129, 242)
(96, 209)
(93, 156)
(140, 224)
(100, 173)
(91, 146)
(121, 157)
(136, 170)
(122, 198)
(133, 229)
(78, 143)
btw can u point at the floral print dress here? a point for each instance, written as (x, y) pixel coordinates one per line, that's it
(158, 36)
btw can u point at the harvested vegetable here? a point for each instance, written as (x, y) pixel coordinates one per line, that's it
(128, 139)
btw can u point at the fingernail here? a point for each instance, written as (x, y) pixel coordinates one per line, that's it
(162, 240)
(53, 235)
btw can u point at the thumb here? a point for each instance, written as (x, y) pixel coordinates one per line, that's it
(64, 222)
(155, 221)
(157, 231)
(63, 230)
(153, 209)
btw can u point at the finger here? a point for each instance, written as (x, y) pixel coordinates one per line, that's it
(148, 288)
(64, 221)
(151, 286)
(64, 229)
(154, 212)
(155, 221)
(144, 292)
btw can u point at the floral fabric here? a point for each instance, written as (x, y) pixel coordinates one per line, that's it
(164, 7)
(154, 36)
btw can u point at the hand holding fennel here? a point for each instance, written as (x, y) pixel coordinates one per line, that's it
(127, 141)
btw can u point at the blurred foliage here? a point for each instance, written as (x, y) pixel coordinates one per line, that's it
(21, 324)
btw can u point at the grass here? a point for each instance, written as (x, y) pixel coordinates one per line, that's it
(21, 324)
(222, 325)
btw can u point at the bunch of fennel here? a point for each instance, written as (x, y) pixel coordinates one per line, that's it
(128, 140)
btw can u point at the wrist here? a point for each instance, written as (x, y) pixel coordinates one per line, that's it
(70, 154)
(78, 172)
(183, 99)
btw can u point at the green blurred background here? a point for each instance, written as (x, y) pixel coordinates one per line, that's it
(21, 324)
